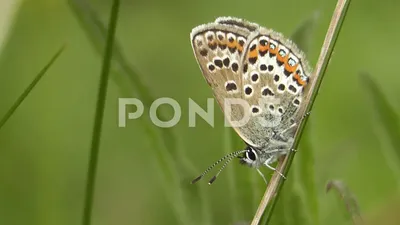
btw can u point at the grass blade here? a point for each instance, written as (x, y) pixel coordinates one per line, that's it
(96, 32)
(306, 179)
(32, 85)
(303, 34)
(275, 185)
(386, 114)
(170, 157)
(228, 146)
(387, 120)
(348, 199)
(101, 99)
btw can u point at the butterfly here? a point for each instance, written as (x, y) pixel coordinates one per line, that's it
(243, 61)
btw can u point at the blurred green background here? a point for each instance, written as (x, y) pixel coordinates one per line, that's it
(144, 171)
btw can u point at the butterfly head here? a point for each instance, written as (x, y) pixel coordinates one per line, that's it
(251, 157)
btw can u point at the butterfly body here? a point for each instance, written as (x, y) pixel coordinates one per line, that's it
(246, 63)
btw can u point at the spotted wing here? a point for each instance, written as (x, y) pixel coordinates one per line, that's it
(275, 77)
(218, 48)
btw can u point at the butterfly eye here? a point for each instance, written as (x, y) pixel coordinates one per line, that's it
(251, 154)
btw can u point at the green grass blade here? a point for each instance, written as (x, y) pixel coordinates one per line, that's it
(283, 210)
(32, 85)
(304, 33)
(101, 99)
(228, 146)
(348, 199)
(96, 31)
(306, 179)
(172, 161)
(387, 121)
(388, 117)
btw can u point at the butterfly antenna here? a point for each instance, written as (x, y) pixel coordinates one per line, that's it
(225, 164)
(230, 156)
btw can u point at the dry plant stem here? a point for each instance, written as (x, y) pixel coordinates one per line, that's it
(276, 181)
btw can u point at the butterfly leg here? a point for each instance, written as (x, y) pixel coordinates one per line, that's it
(279, 135)
(262, 175)
(268, 161)
(287, 129)
(294, 124)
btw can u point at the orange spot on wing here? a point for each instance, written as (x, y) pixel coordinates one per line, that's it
(299, 80)
(302, 82)
(282, 59)
(253, 53)
(222, 42)
(239, 47)
(263, 48)
(232, 44)
(273, 51)
(290, 68)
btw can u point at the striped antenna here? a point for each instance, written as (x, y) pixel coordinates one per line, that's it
(230, 156)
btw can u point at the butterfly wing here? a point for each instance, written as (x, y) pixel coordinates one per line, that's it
(242, 60)
(275, 84)
(218, 48)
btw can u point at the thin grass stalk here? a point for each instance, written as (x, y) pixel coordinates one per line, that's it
(348, 199)
(228, 146)
(170, 156)
(99, 114)
(32, 85)
(387, 119)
